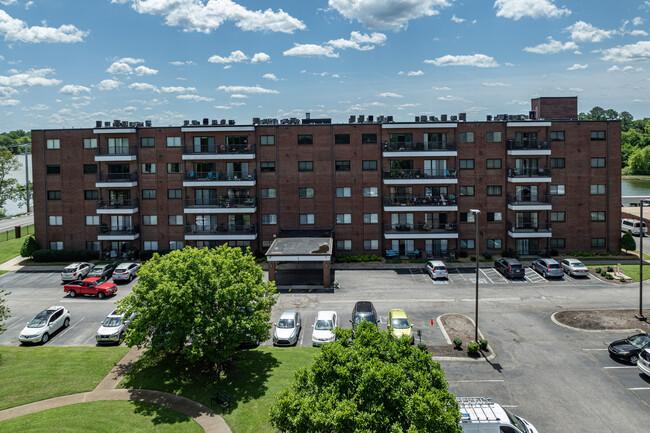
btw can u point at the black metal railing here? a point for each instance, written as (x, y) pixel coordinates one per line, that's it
(442, 254)
(529, 172)
(529, 253)
(219, 149)
(529, 199)
(528, 145)
(117, 177)
(529, 227)
(413, 200)
(116, 151)
(218, 229)
(221, 202)
(118, 230)
(450, 173)
(219, 175)
(129, 203)
(413, 146)
(422, 228)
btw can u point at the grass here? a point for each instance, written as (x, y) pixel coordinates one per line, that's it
(252, 380)
(104, 416)
(3, 272)
(30, 374)
(11, 233)
(631, 271)
(10, 249)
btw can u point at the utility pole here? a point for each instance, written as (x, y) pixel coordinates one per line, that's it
(642, 229)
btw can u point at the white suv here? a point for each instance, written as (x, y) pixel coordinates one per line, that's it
(125, 272)
(76, 271)
(481, 415)
(44, 324)
(324, 326)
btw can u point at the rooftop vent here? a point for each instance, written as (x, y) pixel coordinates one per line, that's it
(462, 117)
(222, 122)
(206, 121)
(215, 122)
(352, 118)
(417, 119)
(98, 123)
(147, 123)
(443, 117)
(361, 118)
(107, 124)
(231, 122)
(454, 118)
(186, 123)
(488, 117)
(532, 115)
(389, 118)
(256, 120)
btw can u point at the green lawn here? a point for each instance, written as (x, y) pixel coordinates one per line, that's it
(35, 373)
(11, 233)
(631, 271)
(104, 416)
(10, 249)
(252, 381)
(3, 272)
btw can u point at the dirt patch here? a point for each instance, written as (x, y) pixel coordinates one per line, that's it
(457, 326)
(603, 319)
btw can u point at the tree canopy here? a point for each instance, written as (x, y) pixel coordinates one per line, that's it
(370, 383)
(9, 140)
(627, 242)
(4, 310)
(10, 188)
(199, 303)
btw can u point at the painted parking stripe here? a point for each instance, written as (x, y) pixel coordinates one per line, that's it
(596, 349)
(461, 275)
(620, 367)
(479, 381)
(486, 276)
(639, 389)
(72, 326)
(494, 271)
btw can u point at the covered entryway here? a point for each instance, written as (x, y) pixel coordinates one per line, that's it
(301, 261)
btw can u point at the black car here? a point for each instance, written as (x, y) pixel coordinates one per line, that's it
(364, 311)
(630, 348)
(103, 271)
(510, 268)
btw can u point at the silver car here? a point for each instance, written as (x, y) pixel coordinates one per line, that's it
(287, 329)
(548, 268)
(76, 271)
(113, 327)
(125, 271)
(574, 267)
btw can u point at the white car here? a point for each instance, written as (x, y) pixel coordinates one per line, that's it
(326, 322)
(76, 271)
(113, 328)
(574, 267)
(47, 322)
(287, 329)
(436, 269)
(643, 362)
(125, 271)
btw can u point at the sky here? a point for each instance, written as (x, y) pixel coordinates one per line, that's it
(67, 63)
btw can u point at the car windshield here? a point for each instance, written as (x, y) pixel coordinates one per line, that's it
(516, 421)
(39, 321)
(365, 318)
(323, 325)
(69, 270)
(112, 322)
(400, 323)
(285, 323)
(639, 341)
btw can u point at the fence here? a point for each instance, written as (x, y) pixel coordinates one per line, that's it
(10, 234)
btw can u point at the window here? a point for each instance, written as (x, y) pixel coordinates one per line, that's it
(370, 165)
(598, 242)
(305, 165)
(494, 216)
(146, 142)
(173, 193)
(148, 168)
(557, 189)
(148, 194)
(55, 220)
(558, 243)
(150, 245)
(370, 191)
(557, 135)
(344, 244)
(597, 216)
(92, 245)
(466, 137)
(54, 144)
(53, 169)
(306, 192)
(56, 245)
(370, 218)
(173, 167)
(494, 244)
(341, 138)
(267, 166)
(467, 243)
(343, 192)
(269, 219)
(467, 164)
(494, 163)
(267, 140)
(467, 217)
(307, 218)
(150, 220)
(493, 137)
(597, 189)
(91, 194)
(173, 141)
(175, 220)
(268, 192)
(597, 135)
(305, 139)
(92, 220)
(90, 143)
(176, 245)
(54, 195)
(90, 168)
(371, 244)
(559, 217)
(342, 165)
(597, 162)
(467, 190)
(368, 138)
(343, 218)
(557, 163)
(494, 190)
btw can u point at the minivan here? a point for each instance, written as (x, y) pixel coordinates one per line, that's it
(633, 226)
(481, 415)
(436, 269)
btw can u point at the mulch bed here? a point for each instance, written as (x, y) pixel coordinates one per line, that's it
(603, 319)
(457, 326)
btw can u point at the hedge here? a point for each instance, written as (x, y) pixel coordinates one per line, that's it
(44, 256)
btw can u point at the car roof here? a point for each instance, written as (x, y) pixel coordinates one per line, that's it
(288, 314)
(573, 260)
(125, 264)
(76, 264)
(325, 315)
(363, 307)
(398, 313)
(511, 261)
(52, 309)
(436, 262)
(91, 279)
(482, 410)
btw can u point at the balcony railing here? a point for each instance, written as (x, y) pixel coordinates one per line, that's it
(116, 151)
(529, 145)
(221, 176)
(117, 204)
(529, 172)
(413, 200)
(422, 228)
(529, 253)
(441, 254)
(412, 146)
(219, 149)
(421, 174)
(529, 199)
(117, 177)
(118, 230)
(221, 229)
(222, 202)
(529, 227)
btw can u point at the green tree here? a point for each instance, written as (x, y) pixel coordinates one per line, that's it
(627, 242)
(29, 246)
(639, 159)
(9, 187)
(4, 310)
(199, 303)
(369, 383)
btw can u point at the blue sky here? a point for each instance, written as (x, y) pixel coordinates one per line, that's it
(69, 63)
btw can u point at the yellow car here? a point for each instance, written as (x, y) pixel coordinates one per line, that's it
(399, 324)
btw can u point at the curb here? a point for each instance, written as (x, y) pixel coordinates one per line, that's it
(558, 323)
(455, 358)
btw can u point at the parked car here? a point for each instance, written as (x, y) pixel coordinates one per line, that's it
(91, 286)
(103, 271)
(644, 362)
(125, 271)
(113, 327)
(574, 267)
(548, 268)
(287, 329)
(510, 268)
(44, 324)
(630, 348)
(399, 324)
(478, 414)
(634, 226)
(76, 271)
(436, 269)
(324, 326)
(364, 311)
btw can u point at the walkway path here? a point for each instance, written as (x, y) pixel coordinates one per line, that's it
(209, 421)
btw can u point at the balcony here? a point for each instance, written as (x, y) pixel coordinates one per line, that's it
(412, 203)
(221, 205)
(118, 233)
(219, 151)
(529, 202)
(219, 178)
(116, 180)
(411, 148)
(529, 147)
(117, 207)
(122, 153)
(421, 177)
(529, 229)
(421, 231)
(527, 175)
(221, 232)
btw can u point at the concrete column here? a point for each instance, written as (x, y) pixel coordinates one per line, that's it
(326, 274)
(271, 271)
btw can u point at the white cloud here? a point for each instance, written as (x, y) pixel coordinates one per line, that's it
(628, 68)
(6, 92)
(577, 67)
(517, 102)
(29, 4)
(576, 89)
(181, 63)
(245, 89)
(227, 67)
(144, 86)
(450, 98)
(552, 47)
(496, 84)
(476, 60)
(108, 84)
(405, 106)
(637, 21)
(390, 95)
(310, 50)
(119, 68)
(8, 2)
(16, 30)
(32, 77)
(411, 73)
(9, 102)
(194, 98)
(517, 9)
(238, 96)
(387, 15)
(638, 33)
(628, 53)
(131, 60)
(583, 32)
(455, 19)
(260, 58)
(222, 107)
(194, 15)
(177, 89)
(270, 77)
(39, 107)
(442, 89)
(143, 70)
(237, 104)
(358, 41)
(234, 57)
(73, 89)
(123, 67)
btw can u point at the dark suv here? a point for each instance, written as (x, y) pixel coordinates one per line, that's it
(364, 311)
(510, 268)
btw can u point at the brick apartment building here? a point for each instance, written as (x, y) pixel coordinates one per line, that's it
(542, 182)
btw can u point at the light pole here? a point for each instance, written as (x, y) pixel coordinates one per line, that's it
(476, 214)
(640, 316)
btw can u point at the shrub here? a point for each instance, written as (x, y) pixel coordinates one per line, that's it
(422, 347)
(145, 255)
(483, 343)
(29, 246)
(504, 253)
(604, 253)
(394, 261)
(473, 258)
(358, 258)
(472, 348)
(598, 270)
(610, 268)
(623, 280)
(44, 256)
(555, 253)
(458, 342)
(487, 255)
(609, 277)
(462, 254)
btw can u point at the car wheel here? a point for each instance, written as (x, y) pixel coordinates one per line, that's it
(66, 322)
(100, 295)
(45, 338)
(634, 359)
(130, 278)
(73, 293)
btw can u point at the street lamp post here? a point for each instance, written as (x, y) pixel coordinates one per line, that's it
(640, 316)
(476, 213)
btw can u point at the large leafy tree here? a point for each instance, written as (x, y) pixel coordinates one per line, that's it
(199, 303)
(9, 187)
(4, 310)
(369, 383)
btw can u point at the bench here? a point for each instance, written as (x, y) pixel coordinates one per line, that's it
(222, 398)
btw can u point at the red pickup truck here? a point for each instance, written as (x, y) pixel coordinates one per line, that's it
(91, 286)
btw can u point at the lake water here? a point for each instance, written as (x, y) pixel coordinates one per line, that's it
(12, 208)
(635, 187)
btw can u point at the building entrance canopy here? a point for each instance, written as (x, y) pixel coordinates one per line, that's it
(302, 250)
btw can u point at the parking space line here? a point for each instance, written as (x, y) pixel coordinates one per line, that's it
(486, 276)
(619, 367)
(478, 381)
(501, 276)
(461, 275)
(596, 349)
(639, 389)
(72, 326)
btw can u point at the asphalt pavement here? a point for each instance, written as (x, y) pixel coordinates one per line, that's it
(10, 223)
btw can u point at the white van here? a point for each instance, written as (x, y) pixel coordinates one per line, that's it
(633, 226)
(481, 415)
